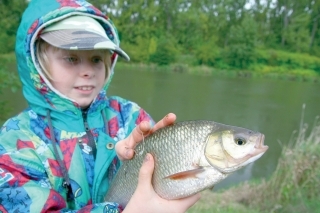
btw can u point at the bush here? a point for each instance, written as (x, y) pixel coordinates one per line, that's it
(208, 52)
(138, 51)
(288, 60)
(166, 52)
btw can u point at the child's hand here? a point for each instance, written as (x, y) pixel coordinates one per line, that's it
(146, 200)
(125, 148)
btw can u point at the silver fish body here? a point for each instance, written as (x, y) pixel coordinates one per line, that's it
(189, 156)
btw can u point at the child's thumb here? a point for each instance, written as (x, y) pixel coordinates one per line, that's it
(146, 171)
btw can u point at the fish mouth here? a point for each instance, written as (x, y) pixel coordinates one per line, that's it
(260, 144)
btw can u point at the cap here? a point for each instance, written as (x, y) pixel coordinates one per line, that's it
(80, 33)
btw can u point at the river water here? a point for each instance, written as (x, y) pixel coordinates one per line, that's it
(273, 107)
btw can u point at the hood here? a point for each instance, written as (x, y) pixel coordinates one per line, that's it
(37, 90)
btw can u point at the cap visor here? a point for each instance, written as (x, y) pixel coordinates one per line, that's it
(74, 39)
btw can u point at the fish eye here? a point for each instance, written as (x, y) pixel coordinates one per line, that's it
(240, 141)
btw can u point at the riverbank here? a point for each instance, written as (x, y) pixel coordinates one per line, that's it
(262, 72)
(181, 67)
(293, 187)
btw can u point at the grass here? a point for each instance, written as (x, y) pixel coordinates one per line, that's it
(293, 187)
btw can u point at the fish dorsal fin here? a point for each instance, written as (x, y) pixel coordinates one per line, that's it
(186, 174)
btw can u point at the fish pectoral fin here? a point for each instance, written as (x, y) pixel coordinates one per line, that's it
(186, 174)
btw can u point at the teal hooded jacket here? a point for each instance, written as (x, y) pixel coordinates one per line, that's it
(46, 153)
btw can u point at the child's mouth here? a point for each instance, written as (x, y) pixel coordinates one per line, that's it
(85, 88)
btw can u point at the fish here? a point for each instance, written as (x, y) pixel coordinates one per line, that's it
(190, 156)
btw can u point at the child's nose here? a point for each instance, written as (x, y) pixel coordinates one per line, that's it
(87, 70)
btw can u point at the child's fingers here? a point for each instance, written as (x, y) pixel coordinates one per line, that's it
(145, 174)
(169, 119)
(144, 129)
(125, 147)
(138, 133)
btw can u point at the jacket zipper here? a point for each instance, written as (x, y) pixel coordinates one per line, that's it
(91, 141)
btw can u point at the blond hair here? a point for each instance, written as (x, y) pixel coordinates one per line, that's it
(41, 53)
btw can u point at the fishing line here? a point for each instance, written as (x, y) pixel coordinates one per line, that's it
(142, 145)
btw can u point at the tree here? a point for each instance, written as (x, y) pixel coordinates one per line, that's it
(242, 43)
(165, 53)
(315, 35)
(289, 25)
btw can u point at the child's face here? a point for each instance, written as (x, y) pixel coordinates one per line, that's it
(79, 75)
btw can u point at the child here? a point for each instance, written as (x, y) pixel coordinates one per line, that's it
(61, 153)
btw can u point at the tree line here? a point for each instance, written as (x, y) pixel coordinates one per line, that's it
(226, 34)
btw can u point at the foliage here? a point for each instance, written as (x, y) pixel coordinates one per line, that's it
(208, 53)
(11, 13)
(165, 52)
(138, 51)
(278, 58)
(240, 52)
(223, 34)
(10, 16)
(7, 80)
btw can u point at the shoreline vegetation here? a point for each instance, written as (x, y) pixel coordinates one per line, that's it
(265, 72)
(8, 62)
(293, 186)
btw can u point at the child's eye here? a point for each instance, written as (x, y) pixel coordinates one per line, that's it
(97, 60)
(71, 59)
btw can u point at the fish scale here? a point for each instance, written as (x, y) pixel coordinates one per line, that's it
(176, 148)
